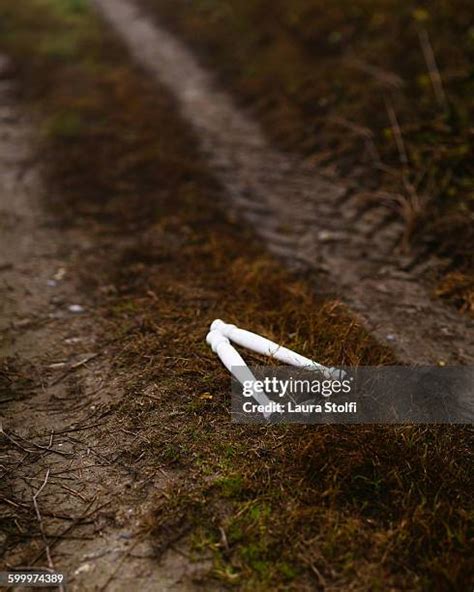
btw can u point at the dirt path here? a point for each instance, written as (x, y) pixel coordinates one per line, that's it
(56, 427)
(310, 222)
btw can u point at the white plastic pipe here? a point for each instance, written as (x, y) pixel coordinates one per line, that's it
(266, 347)
(233, 361)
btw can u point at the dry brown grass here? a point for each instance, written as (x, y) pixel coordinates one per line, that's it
(378, 91)
(458, 288)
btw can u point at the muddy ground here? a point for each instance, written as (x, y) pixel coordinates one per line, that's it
(119, 463)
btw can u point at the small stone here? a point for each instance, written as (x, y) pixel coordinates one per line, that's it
(59, 275)
(84, 568)
(325, 235)
(73, 340)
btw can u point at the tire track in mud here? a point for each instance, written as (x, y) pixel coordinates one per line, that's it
(311, 223)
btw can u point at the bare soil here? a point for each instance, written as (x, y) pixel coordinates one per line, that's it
(56, 382)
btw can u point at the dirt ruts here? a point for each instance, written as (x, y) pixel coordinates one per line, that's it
(312, 223)
(55, 383)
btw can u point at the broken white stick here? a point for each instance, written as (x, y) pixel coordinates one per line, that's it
(266, 347)
(234, 362)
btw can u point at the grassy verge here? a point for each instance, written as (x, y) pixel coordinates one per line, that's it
(279, 508)
(377, 91)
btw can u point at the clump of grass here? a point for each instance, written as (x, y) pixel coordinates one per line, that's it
(459, 288)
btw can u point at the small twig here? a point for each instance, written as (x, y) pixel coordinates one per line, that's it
(397, 132)
(74, 367)
(79, 429)
(12, 503)
(359, 130)
(49, 448)
(224, 541)
(363, 132)
(84, 361)
(79, 520)
(35, 496)
(69, 538)
(433, 70)
(321, 580)
(40, 520)
(74, 492)
(38, 446)
(386, 78)
(14, 442)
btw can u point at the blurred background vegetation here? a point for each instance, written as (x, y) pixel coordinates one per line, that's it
(376, 90)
